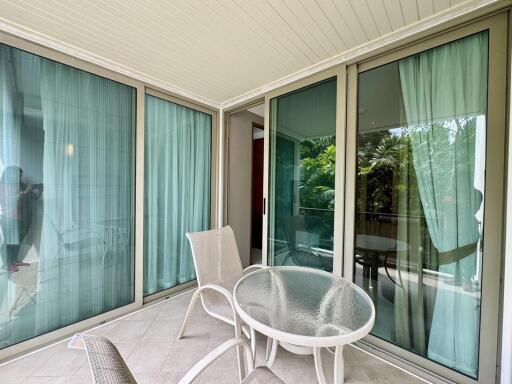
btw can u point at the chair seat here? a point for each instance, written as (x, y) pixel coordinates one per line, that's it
(262, 375)
(216, 302)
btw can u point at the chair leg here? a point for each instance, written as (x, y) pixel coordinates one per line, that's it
(190, 308)
(239, 350)
(253, 345)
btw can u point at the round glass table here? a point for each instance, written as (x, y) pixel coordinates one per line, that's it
(304, 310)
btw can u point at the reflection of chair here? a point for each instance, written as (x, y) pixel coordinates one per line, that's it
(69, 248)
(304, 242)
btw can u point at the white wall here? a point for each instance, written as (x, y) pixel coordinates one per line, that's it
(239, 179)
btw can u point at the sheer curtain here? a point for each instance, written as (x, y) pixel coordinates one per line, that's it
(177, 190)
(444, 92)
(86, 260)
(10, 129)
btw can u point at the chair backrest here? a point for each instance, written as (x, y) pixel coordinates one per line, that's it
(300, 229)
(216, 256)
(106, 363)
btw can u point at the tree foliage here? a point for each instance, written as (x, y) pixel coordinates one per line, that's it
(318, 163)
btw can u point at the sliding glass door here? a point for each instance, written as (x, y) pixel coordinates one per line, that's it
(177, 195)
(301, 177)
(66, 195)
(423, 191)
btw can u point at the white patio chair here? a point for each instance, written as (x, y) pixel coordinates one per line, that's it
(218, 268)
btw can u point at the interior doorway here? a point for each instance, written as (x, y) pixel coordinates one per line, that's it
(244, 181)
(257, 193)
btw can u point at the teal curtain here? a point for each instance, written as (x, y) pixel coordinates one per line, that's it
(86, 260)
(445, 99)
(177, 179)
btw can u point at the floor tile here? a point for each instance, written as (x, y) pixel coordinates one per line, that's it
(147, 341)
(148, 357)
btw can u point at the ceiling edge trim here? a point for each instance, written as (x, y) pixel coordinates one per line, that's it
(386, 42)
(49, 42)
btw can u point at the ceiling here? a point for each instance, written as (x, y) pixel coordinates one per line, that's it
(215, 50)
(258, 110)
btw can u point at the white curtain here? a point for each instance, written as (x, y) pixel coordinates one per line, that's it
(86, 260)
(444, 92)
(177, 190)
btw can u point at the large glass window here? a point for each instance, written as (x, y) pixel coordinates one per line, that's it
(177, 173)
(420, 199)
(66, 195)
(301, 177)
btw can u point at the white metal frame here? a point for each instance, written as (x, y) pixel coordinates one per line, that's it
(300, 344)
(338, 72)
(214, 355)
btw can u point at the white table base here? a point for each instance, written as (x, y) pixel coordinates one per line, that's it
(271, 353)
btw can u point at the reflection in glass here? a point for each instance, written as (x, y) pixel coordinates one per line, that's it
(419, 199)
(301, 177)
(177, 181)
(66, 195)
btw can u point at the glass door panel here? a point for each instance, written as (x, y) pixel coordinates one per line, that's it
(66, 195)
(421, 139)
(177, 179)
(301, 177)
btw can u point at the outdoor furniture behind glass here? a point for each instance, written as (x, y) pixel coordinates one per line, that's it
(374, 252)
(304, 310)
(306, 247)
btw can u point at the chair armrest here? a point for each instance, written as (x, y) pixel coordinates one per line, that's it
(211, 357)
(255, 267)
(214, 287)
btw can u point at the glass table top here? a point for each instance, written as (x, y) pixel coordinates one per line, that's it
(304, 302)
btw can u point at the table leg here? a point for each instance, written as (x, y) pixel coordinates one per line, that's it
(317, 355)
(339, 374)
(366, 278)
(273, 352)
(269, 347)
(374, 274)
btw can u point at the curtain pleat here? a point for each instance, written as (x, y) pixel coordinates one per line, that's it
(177, 190)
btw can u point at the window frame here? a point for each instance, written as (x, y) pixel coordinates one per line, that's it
(338, 72)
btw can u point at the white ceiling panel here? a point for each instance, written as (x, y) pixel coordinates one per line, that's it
(215, 49)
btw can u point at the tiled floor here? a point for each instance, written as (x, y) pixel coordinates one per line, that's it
(147, 340)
